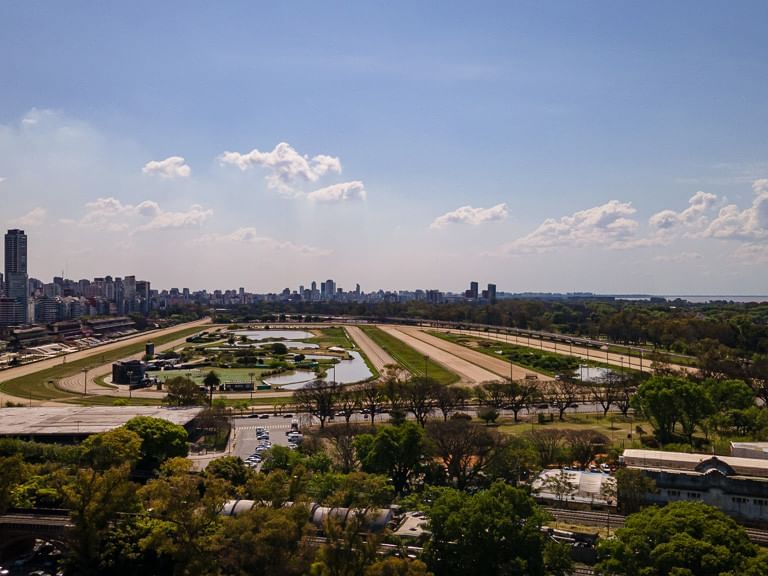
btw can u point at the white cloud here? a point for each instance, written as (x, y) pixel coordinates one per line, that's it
(34, 217)
(606, 225)
(748, 224)
(470, 215)
(249, 235)
(342, 192)
(112, 215)
(2, 179)
(36, 116)
(678, 257)
(693, 216)
(751, 253)
(286, 165)
(171, 167)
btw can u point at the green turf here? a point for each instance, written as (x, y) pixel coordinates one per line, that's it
(409, 358)
(42, 385)
(332, 336)
(544, 361)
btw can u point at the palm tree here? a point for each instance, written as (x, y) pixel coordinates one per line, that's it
(211, 381)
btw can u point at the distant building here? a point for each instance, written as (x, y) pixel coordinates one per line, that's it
(491, 293)
(473, 290)
(16, 278)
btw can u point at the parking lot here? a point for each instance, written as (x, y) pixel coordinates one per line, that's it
(255, 434)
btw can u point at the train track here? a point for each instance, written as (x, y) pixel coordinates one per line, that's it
(603, 520)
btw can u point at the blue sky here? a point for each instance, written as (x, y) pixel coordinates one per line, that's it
(603, 146)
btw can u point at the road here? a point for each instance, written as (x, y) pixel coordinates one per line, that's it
(378, 357)
(496, 365)
(34, 367)
(469, 374)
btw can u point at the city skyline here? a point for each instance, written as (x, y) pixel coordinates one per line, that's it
(617, 149)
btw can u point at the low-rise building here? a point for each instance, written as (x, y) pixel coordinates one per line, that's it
(737, 486)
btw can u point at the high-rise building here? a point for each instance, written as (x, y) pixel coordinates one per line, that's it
(492, 293)
(473, 290)
(16, 279)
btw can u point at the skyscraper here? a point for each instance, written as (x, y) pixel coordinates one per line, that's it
(16, 279)
(492, 293)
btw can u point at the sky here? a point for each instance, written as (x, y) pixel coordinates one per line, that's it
(601, 146)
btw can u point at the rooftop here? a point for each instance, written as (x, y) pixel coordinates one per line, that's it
(685, 461)
(82, 420)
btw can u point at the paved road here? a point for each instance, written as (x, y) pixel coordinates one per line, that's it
(469, 374)
(498, 366)
(378, 357)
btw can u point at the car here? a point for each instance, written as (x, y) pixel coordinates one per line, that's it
(543, 406)
(287, 415)
(254, 415)
(264, 416)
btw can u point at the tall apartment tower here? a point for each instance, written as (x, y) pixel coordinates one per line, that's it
(492, 293)
(16, 279)
(473, 293)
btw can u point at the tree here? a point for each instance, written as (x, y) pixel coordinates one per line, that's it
(584, 444)
(371, 398)
(397, 567)
(160, 440)
(560, 485)
(186, 509)
(680, 539)
(495, 532)
(95, 500)
(548, 444)
(513, 460)
(488, 414)
(655, 400)
(279, 349)
(464, 448)
(229, 468)
(563, 393)
(450, 398)
(183, 391)
(212, 382)
(348, 402)
(520, 394)
(397, 451)
(264, 542)
(112, 448)
(420, 395)
(494, 393)
(631, 488)
(318, 398)
(14, 470)
(342, 438)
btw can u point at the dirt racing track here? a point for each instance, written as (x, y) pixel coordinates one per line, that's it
(473, 367)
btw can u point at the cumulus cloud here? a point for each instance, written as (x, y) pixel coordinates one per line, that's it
(693, 216)
(287, 167)
(112, 215)
(747, 224)
(34, 217)
(470, 215)
(336, 193)
(606, 225)
(171, 167)
(249, 235)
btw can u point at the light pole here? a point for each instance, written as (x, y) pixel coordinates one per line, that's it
(426, 367)
(85, 381)
(251, 374)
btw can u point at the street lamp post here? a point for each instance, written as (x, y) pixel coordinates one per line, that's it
(251, 374)
(426, 367)
(85, 381)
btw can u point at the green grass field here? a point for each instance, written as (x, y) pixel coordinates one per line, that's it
(332, 336)
(409, 358)
(198, 374)
(42, 385)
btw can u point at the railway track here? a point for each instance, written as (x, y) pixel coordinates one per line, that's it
(602, 520)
